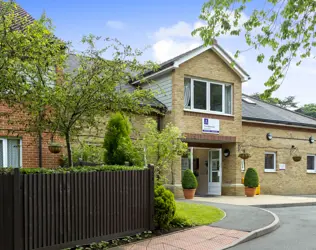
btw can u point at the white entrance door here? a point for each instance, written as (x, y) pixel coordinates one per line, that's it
(215, 172)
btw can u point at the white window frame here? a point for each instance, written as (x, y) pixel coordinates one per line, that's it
(274, 162)
(5, 151)
(208, 97)
(314, 170)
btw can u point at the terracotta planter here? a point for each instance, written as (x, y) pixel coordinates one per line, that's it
(250, 192)
(189, 193)
(55, 149)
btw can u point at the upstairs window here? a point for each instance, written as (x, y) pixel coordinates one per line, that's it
(201, 95)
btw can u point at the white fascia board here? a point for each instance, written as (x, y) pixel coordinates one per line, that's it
(159, 73)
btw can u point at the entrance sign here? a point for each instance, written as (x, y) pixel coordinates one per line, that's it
(282, 166)
(210, 126)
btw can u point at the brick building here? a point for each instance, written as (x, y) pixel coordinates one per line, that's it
(203, 95)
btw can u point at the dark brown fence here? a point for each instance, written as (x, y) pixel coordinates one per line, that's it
(55, 211)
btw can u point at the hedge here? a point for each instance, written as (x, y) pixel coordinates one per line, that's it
(59, 170)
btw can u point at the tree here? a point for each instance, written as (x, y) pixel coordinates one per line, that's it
(287, 102)
(308, 109)
(117, 141)
(94, 88)
(286, 27)
(162, 147)
(36, 80)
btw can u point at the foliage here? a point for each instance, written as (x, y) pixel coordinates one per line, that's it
(116, 242)
(117, 142)
(251, 178)
(162, 147)
(165, 207)
(287, 102)
(36, 78)
(197, 214)
(104, 168)
(285, 27)
(88, 153)
(189, 180)
(180, 222)
(308, 109)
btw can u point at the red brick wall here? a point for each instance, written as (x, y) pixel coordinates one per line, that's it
(30, 148)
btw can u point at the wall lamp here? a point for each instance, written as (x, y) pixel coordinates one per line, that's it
(226, 152)
(311, 139)
(269, 136)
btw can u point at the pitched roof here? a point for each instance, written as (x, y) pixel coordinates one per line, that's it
(22, 19)
(73, 64)
(176, 61)
(257, 110)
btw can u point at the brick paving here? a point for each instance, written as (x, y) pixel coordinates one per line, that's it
(199, 238)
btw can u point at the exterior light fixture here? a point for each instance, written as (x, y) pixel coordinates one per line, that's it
(311, 139)
(226, 152)
(269, 136)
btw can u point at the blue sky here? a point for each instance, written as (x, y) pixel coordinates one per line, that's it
(165, 26)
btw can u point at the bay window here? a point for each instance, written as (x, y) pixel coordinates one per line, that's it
(10, 153)
(206, 96)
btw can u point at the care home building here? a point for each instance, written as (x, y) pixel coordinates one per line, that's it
(202, 91)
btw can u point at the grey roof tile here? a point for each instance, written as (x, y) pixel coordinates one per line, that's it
(262, 111)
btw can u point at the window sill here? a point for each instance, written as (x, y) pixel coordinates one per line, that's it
(207, 112)
(311, 172)
(270, 171)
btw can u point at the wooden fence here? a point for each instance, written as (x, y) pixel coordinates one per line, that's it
(56, 211)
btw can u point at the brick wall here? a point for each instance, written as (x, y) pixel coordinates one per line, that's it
(12, 127)
(293, 180)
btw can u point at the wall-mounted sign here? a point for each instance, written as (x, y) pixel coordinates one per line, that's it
(210, 126)
(282, 166)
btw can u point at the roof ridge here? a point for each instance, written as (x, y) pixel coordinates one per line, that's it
(306, 116)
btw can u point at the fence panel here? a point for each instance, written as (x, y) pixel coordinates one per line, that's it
(55, 211)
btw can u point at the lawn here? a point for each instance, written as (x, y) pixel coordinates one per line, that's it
(198, 214)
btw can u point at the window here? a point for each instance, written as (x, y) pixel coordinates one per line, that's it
(270, 162)
(311, 164)
(10, 153)
(202, 95)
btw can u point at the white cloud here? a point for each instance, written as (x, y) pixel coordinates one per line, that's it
(168, 48)
(118, 25)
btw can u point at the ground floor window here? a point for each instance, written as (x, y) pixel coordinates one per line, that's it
(311, 164)
(10, 153)
(270, 162)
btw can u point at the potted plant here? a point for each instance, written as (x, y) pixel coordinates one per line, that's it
(251, 182)
(54, 147)
(189, 184)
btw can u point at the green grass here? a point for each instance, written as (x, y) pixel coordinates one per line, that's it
(197, 214)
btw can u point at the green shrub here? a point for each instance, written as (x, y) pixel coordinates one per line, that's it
(189, 180)
(70, 170)
(117, 142)
(251, 178)
(88, 153)
(180, 221)
(165, 207)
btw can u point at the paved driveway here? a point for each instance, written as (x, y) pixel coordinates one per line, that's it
(297, 231)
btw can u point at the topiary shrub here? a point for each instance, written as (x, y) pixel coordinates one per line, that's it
(189, 180)
(251, 178)
(165, 207)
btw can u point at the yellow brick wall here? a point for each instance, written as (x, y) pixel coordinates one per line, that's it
(293, 180)
(206, 66)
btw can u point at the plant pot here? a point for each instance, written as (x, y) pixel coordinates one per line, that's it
(250, 192)
(244, 156)
(297, 158)
(55, 149)
(189, 193)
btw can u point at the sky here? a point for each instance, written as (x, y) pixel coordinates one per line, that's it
(163, 28)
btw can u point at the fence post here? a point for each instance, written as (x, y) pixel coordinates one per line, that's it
(17, 218)
(151, 196)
